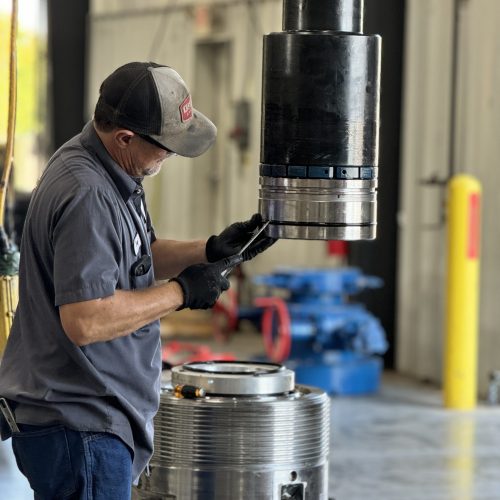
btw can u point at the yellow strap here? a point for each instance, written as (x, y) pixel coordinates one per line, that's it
(11, 124)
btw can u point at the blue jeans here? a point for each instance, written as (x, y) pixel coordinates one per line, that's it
(61, 463)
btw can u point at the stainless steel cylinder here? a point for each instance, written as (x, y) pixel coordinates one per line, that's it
(320, 123)
(316, 209)
(254, 435)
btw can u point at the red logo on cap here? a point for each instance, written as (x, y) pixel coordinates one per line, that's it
(186, 109)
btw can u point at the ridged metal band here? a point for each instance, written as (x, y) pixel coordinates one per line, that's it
(256, 433)
(319, 209)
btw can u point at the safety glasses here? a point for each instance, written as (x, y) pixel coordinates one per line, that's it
(157, 144)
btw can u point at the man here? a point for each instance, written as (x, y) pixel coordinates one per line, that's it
(82, 366)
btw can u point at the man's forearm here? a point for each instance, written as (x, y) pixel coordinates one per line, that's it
(171, 257)
(120, 314)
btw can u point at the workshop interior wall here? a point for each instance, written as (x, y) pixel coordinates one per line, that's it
(217, 47)
(425, 146)
(427, 143)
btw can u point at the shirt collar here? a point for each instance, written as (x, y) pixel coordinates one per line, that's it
(126, 184)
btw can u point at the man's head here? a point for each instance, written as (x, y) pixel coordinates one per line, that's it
(144, 114)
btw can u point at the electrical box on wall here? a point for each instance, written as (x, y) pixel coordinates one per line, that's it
(241, 130)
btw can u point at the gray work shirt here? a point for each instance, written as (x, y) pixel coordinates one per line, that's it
(86, 227)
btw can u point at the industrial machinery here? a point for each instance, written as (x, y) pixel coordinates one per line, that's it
(329, 341)
(320, 123)
(238, 431)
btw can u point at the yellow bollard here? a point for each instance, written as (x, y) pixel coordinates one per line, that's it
(462, 300)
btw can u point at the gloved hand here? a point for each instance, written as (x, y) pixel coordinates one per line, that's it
(202, 284)
(234, 237)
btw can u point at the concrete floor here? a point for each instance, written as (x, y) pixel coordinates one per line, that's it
(397, 445)
(401, 445)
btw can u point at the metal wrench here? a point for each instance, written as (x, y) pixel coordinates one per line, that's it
(8, 415)
(237, 259)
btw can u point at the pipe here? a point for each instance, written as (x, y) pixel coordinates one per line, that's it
(331, 15)
(11, 123)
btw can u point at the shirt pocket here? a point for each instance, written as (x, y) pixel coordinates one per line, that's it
(141, 273)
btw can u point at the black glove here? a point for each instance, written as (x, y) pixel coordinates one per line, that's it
(202, 284)
(234, 237)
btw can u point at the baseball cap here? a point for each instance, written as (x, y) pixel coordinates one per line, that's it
(153, 100)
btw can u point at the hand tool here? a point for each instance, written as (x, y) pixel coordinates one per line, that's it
(7, 413)
(231, 262)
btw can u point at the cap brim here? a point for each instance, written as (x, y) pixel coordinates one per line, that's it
(194, 140)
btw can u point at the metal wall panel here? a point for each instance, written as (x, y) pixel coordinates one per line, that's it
(425, 155)
(476, 148)
(478, 152)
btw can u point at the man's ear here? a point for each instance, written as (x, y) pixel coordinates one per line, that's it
(122, 137)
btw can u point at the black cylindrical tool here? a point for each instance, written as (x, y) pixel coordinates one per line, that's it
(320, 123)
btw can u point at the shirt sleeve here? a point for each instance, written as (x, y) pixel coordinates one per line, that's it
(87, 247)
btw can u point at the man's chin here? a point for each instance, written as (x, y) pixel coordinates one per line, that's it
(150, 172)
